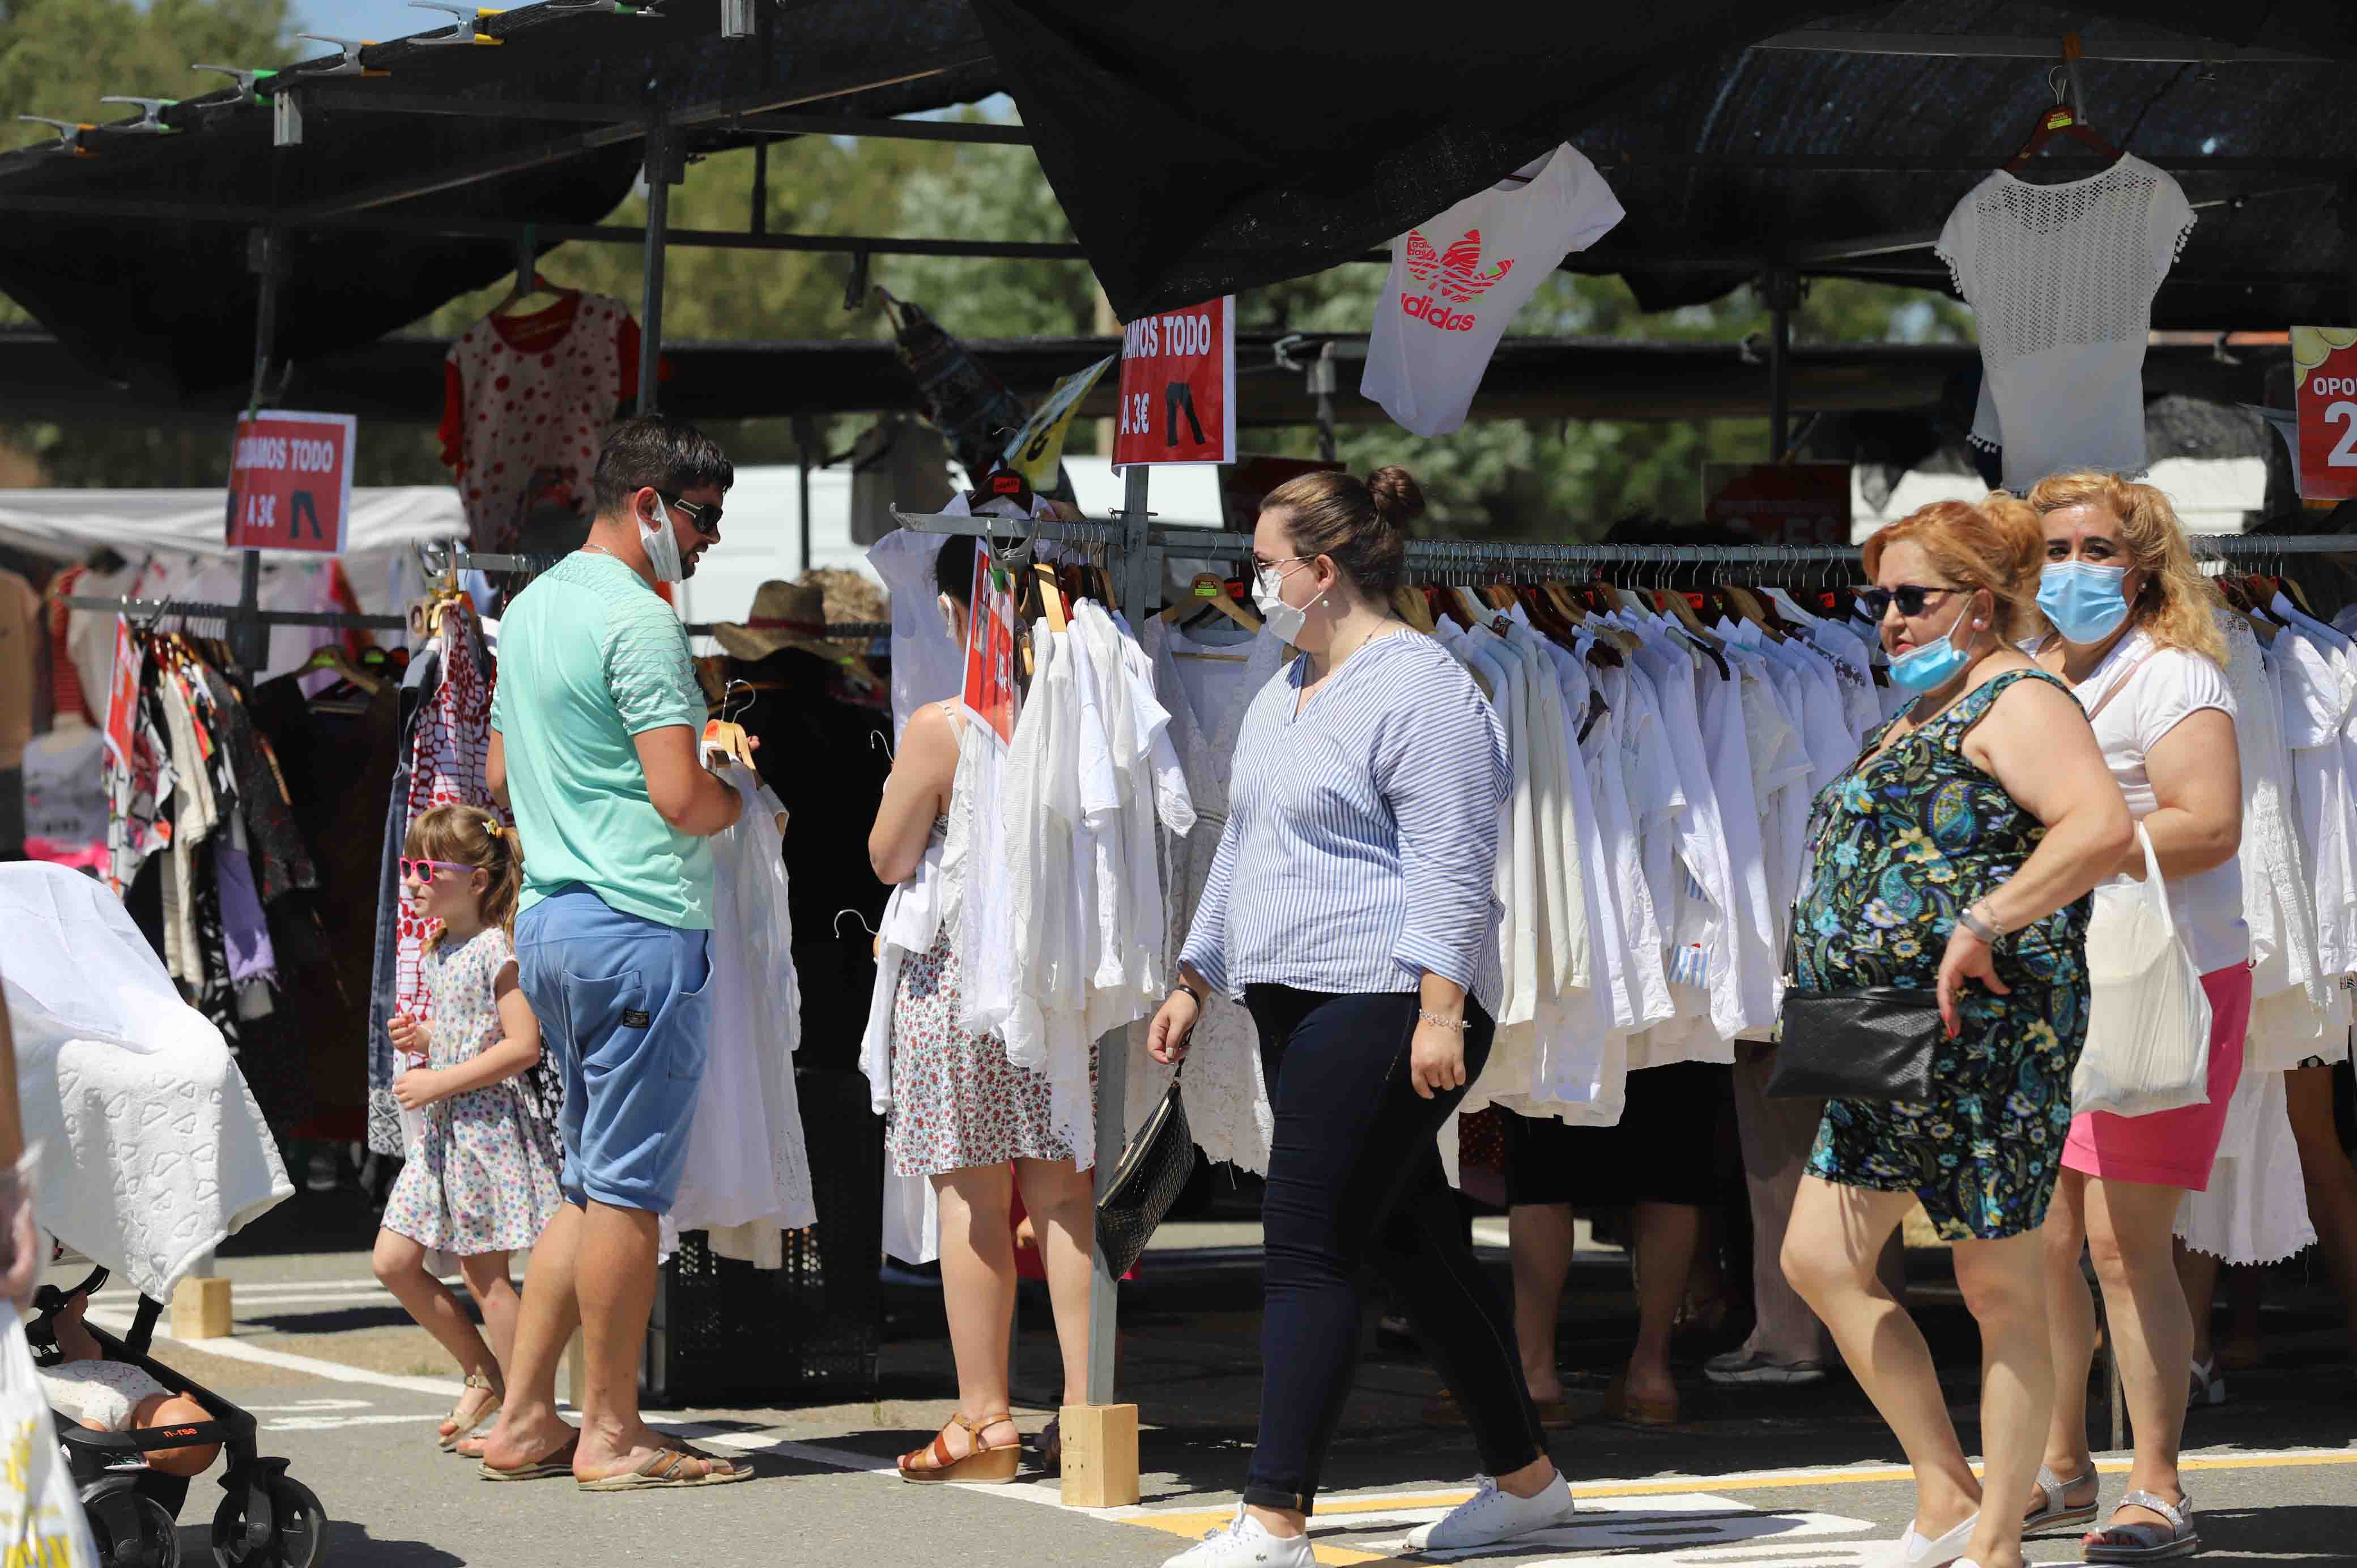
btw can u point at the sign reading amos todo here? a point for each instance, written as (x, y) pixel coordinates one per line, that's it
(290, 481)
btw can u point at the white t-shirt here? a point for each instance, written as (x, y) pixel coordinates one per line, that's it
(1457, 279)
(2060, 278)
(2169, 685)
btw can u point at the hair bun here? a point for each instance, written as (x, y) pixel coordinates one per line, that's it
(1398, 498)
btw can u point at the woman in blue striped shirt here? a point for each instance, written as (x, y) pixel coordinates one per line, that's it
(1350, 905)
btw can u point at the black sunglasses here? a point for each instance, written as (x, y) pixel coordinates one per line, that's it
(702, 516)
(1911, 597)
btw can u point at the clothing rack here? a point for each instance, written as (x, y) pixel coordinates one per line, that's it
(1444, 556)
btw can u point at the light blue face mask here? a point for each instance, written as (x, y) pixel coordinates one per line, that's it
(1933, 665)
(2083, 599)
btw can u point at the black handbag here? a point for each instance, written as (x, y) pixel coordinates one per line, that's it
(1877, 1042)
(1152, 1172)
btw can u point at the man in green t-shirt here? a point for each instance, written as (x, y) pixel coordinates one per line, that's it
(595, 747)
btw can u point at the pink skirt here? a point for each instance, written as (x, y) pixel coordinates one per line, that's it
(2173, 1148)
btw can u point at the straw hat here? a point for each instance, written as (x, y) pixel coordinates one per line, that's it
(785, 615)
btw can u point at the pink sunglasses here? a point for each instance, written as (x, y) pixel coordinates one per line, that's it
(423, 870)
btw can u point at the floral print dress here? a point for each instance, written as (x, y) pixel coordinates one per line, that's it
(481, 1175)
(1903, 841)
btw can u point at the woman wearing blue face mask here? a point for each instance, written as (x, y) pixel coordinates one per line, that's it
(1955, 855)
(2134, 629)
(1350, 904)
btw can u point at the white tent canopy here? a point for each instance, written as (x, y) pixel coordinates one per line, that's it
(67, 525)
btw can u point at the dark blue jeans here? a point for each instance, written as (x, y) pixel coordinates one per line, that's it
(1354, 1177)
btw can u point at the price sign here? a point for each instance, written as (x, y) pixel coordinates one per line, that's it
(290, 481)
(122, 693)
(2324, 361)
(1780, 504)
(1179, 387)
(989, 690)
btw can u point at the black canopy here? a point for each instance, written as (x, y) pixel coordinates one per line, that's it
(144, 293)
(1236, 143)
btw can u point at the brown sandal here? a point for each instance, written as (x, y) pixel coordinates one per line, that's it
(991, 1466)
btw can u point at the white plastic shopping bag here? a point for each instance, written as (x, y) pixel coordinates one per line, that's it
(40, 1509)
(2148, 1020)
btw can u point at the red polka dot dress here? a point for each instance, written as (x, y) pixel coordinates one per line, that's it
(527, 400)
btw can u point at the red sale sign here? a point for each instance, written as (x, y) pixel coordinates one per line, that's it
(122, 693)
(290, 481)
(1179, 387)
(989, 694)
(2324, 360)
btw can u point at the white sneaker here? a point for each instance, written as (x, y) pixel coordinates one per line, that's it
(1491, 1515)
(1917, 1552)
(1245, 1543)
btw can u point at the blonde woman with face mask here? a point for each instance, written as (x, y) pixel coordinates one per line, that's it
(2133, 630)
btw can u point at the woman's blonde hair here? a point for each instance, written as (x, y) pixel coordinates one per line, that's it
(1995, 546)
(468, 835)
(2178, 607)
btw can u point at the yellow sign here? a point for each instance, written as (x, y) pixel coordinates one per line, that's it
(1037, 450)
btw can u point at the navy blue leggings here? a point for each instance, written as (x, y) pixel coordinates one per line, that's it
(1354, 1177)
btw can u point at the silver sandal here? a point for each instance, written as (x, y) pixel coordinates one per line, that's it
(2147, 1543)
(2054, 1513)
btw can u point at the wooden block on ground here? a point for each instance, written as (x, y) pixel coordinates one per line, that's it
(1100, 1455)
(576, 1374)
(201, 1309)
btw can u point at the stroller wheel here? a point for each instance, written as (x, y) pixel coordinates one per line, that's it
(132, 1531)
(299, 1535)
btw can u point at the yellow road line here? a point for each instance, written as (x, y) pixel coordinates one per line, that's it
(1193, 1523)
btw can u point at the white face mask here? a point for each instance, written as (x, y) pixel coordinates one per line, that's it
(1285, 620)
(951, 623)
(662, 545)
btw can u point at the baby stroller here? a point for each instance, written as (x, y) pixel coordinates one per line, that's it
(126, 1090)
(269, 1519)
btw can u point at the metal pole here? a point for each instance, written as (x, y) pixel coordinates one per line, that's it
(803, 444)
(249, 639)
(658, 167)
(1113, 1065)
(1782, 290)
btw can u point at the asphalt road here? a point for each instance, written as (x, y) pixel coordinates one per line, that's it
(1792, 1479)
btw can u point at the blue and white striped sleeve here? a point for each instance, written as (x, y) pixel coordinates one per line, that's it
(1441, 765)
(1206, 951)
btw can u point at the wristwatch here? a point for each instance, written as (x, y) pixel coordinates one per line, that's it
(1979, 926)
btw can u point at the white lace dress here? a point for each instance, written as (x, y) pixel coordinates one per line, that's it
(2060, 278)
(1227, 1102)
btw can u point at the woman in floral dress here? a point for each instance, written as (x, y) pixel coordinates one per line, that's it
(964, 1117)
(1956, 856)
(480, 1179)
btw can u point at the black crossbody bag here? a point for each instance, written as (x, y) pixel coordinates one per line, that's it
(1876, 1042)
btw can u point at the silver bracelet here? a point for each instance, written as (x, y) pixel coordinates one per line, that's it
(1978, 925)
(1428, 1016)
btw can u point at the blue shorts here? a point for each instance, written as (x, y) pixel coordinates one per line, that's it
(626, 1004)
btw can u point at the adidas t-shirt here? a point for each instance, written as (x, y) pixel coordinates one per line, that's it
(1457, 280)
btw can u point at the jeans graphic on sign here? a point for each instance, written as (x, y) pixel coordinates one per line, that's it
(1176, 395)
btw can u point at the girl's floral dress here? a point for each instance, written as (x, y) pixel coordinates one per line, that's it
(1902, 842)
(481, 1175)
